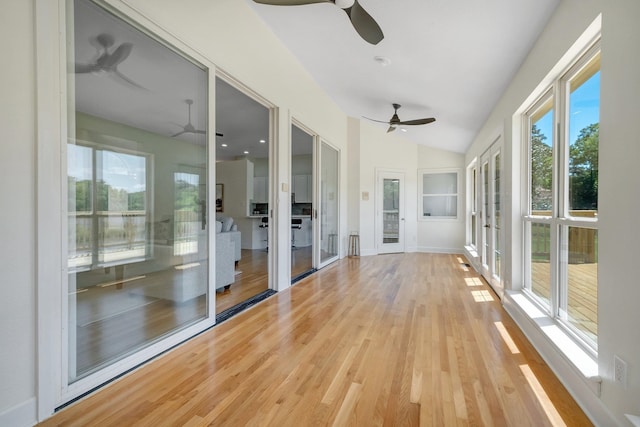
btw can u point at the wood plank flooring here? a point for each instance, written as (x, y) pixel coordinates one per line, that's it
(396, 340)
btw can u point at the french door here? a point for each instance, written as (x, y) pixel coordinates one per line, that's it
(491, 218)
(390, 212)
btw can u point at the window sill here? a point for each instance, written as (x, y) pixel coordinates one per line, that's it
(572, 350)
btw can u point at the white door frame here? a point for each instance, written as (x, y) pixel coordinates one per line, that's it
(488, 223)
(400, 246)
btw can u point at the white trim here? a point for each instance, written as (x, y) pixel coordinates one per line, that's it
(23, 414)
(49, 75)
(421, 195)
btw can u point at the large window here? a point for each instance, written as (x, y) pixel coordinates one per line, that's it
(561, 222)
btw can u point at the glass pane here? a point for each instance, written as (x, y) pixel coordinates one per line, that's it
(473, 229)
(540, 249)
(497, 259)
(485, 213)
(440, 206)
(329, 203)
(584, 118)
(138, 255)
(440, 183)
(541, 143)
(302, 238)
(390, 212)
(582, 277)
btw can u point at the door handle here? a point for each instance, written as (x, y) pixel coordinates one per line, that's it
(487, 226)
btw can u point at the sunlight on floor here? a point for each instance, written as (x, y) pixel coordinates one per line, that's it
(482, 296)
(506, 337)
(473, 281)
(552, 413)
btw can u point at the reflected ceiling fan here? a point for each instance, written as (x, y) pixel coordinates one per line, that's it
(363, 23)
(107, 61)
(395, 121)
(189, 128)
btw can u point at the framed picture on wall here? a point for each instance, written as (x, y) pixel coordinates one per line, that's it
(219, 197)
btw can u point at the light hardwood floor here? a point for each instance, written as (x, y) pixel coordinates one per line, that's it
(407, 339)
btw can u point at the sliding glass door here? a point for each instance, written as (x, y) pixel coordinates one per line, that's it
(137, 192)
(329, 204)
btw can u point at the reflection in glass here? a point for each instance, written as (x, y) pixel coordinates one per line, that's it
(391, 211)
(439, 194)
(137, 246)
(329, 203)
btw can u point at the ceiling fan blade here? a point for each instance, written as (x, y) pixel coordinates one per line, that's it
(418, 121)
(120, 54)
(364, 24)
(290, 2)
(178, 134)
(391, 128)
(374, 120)
(127, 80)
(86, 68)
(201, 132)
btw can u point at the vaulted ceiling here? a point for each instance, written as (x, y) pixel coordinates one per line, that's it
(451, 60)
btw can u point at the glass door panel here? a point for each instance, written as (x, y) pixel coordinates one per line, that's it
(137, 192)
(328, 204)
(391, 214)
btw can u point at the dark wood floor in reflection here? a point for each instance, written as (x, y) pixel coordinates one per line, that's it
(113, 320)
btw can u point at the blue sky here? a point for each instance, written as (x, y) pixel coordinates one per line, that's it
(584, 109)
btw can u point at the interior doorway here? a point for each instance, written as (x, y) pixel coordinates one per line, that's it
(390, 217)
(302, 198)
(243, 197)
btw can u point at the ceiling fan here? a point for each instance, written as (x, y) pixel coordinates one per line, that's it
(395, 121)
(363, 23)
(106, 61)
(189, 128)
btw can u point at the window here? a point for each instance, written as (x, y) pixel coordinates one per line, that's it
(439, 194)
(472, 210)
(561, 222)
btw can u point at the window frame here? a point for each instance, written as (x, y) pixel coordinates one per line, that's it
(560, 219)
(473, 173)
(422, 195)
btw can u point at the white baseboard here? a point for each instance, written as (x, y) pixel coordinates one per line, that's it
(432, 250)
(582, 389)
(22, 415)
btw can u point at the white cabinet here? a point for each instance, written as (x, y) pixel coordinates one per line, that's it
(302, 188)
(260, 190)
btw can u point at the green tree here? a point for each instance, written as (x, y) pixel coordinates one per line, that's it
(583, 169)
(541, 170)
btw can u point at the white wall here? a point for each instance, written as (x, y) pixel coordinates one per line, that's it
(17, 223)
(619, 293)
(380, 150)
(446, 235)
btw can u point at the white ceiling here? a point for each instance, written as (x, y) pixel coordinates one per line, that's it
(450, 59)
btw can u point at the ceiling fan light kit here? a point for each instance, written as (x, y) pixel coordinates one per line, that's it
(362, 22)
